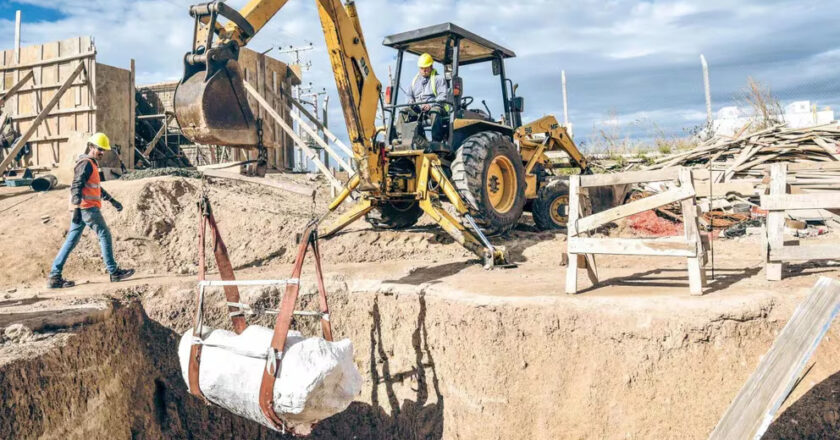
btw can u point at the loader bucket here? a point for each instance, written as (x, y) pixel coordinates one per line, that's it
(212, 109)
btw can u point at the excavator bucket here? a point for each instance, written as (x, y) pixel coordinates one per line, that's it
(211, 105)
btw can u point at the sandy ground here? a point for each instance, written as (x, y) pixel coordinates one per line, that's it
(633, 357)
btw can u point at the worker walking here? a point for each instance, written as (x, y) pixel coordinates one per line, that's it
(429, 89)
(86, 197)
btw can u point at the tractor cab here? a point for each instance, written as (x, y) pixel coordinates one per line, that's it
(451, 47)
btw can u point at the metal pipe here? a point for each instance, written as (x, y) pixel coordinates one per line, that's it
(505, 98)
(395, 92)
(44, 183)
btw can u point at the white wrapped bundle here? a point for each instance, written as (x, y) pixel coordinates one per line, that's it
(318, 378)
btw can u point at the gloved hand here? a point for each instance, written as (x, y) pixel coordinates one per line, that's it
(117, 205)
(77, 216)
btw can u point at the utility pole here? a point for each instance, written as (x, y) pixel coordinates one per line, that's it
(296, 92)
(314, 103)
(565, 103)
(708, 91)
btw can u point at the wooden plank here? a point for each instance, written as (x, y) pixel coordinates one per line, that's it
(571, 232)
(332, 137)
(65, 111)
(48, 62)
(17, 86)
(312, 156)
(754, 407)
(314, 135)
(629, 177)
(775, 225)
(657, 247)
(805, 252)
(745, 187)
(641, 205)
(151, 146)
(696, 272)
(21, 141)
(801, 166)
(790, 202)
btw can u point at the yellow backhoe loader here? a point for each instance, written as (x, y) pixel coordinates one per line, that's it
(488, 169)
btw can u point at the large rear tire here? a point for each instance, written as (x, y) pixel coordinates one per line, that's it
(489, 175)
(551, 207)
(395, 215)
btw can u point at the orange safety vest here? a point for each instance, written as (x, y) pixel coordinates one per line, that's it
(91, 193)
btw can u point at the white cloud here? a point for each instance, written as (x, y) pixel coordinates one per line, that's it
(634, 56)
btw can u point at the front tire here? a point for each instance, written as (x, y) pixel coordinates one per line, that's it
(551, 207)
(489, 175)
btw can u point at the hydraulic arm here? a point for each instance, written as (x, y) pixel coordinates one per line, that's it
(211, 108)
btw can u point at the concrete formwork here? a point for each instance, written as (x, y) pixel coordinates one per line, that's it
(99, 99)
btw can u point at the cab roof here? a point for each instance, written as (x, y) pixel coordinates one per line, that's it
(432, 40)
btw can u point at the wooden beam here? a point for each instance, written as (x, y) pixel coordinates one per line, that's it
(775, 224)
(791, 202)
(332, 137)
(801, 166)
(745, 188)
(805, 252)
(629, 177)
(642, 205)
(41, 87)
(16, 87)
(658, 247)
(312, 156)
(64, 111)
(21, 141)
(314, 135)
(572, 233)
(47, 62)
(151, 146)
(754, 407)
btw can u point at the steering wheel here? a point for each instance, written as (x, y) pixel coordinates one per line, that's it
(466, 101)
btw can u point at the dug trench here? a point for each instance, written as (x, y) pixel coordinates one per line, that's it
(436, 364)
(446, 349)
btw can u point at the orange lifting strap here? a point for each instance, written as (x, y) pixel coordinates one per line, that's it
(226, 273)
(284, 321)
(285, 314)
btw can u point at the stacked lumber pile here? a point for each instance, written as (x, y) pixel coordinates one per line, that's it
(747, 155)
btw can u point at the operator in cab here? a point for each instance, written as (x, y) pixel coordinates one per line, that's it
(427, 87)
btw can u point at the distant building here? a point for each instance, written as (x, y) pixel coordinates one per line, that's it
(729, 120)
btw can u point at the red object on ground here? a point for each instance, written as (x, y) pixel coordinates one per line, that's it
(648, 223)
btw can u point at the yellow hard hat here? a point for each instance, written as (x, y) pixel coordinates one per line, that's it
(425, 61)
(100, 141)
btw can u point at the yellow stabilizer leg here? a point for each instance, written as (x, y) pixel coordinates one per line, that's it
(351, 185)
(354, 213)
(492, 256)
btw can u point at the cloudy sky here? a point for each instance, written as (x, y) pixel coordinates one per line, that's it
(632, 66)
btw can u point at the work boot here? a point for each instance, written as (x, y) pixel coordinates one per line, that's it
(121, 274)
(59, 283)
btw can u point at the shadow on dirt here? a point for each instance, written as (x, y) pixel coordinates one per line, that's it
(677, 278)
(816, 415)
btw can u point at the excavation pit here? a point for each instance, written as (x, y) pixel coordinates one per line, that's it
(447, 350)
(437, 363)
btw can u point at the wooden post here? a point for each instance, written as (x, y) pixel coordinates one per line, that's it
(696, 271)
(775, 223)
(571, 232)
(131, 117)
